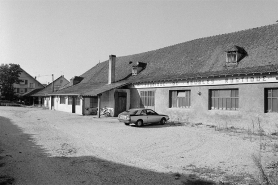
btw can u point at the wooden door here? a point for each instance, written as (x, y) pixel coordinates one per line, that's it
(120, 103)
(73, 104)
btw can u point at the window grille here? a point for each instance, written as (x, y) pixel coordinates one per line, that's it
(180, 99)
(147, 98)
(78, 101)
(93, 102)
(69, 100)
(62, 99)
(224, 99)
(272, 100)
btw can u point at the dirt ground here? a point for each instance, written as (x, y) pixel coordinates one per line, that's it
(39, 146)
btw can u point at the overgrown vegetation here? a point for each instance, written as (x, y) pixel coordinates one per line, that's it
(268, 175)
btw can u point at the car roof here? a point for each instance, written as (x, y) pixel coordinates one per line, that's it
(137, 109)
(140, 109)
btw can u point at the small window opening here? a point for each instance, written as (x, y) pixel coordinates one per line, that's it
(231, 57)
(234, 54)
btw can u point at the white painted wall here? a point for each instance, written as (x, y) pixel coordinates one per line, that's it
(66, 107)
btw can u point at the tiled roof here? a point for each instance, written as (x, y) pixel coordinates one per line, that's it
(30, 93)
(202, 57)
(45, 91)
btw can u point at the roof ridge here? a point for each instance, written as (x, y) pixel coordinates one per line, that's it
(202, 38)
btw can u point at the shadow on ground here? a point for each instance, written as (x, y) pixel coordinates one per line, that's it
(24, 162)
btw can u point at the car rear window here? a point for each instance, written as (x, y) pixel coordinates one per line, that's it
(134, 112)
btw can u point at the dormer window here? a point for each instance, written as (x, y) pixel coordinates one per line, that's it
(137, 68)
(134, 70)
(231, 57)
(234, 54)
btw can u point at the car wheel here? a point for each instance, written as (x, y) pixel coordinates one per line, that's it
(139, 123)
(126, 124)
(162, 121)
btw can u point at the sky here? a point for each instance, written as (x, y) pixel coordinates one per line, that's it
(68, 37)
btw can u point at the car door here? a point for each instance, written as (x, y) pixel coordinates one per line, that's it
(144, 116)
(153, 117)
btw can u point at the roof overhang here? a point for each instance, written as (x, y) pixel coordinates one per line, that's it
(105, 88)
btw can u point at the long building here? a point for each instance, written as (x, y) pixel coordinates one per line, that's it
(229, 79)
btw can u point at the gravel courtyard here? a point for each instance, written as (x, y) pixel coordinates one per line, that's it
(175, 149)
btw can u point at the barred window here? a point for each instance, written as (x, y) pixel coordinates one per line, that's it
(69, 100)
(272, 100)
(147, 98)
(78, 101)
(224, 99)
(180, 99)
(62, 99)
(93, 102)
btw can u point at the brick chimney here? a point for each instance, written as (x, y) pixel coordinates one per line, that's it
(111, 72)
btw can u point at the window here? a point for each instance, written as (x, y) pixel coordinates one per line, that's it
(21, 90)
(62, 99)
(22, 81)
(77, 100)
(26, 89)
(272, 100)
(151, 112)
(26, 81)
(93, 102)
(224, 99)
(32, 85)
(56, 87)
(147, 98)
(69, 100)
(180, 99)
(231, 57)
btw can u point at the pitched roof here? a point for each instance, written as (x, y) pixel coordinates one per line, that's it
(202, 57)
(30, 93)
(31, 77)
(48, 89)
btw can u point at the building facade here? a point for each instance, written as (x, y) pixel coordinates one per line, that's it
(41, 97)
(27, 84)
(228, 80)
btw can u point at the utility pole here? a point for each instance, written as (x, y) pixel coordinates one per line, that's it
(52, 82)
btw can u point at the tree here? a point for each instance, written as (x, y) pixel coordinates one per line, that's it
(9, 74)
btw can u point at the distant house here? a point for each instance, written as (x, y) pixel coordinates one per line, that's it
(229, 80)
(27, 84)
(40, 97)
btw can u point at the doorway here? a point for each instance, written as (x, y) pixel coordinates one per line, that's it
(73, 104)
(120, 102)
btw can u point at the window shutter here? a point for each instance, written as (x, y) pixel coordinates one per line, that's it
(26, 81)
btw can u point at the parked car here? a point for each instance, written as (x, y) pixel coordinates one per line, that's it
(142, 116)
